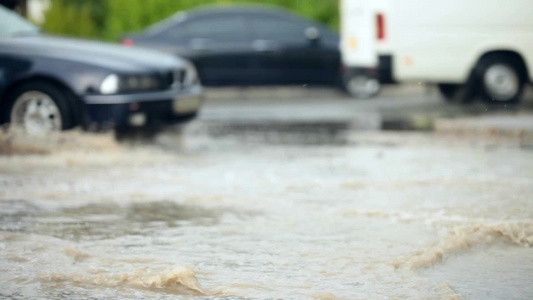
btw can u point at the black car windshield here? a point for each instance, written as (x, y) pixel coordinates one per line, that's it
(13, 24)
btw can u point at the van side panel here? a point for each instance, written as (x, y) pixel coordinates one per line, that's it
(442, 41)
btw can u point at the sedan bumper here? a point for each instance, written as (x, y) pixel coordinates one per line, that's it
(142, 109)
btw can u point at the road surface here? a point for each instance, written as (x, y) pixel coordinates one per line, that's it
(267, 210)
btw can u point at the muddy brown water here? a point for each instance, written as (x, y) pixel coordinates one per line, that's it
(215, 216)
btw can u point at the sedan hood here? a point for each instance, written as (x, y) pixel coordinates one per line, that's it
(114, 57)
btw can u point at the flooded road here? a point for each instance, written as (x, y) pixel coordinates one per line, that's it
(228, 213)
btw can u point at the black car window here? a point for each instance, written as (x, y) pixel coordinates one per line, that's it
(176, 33)
(278, 29)
(229, 28)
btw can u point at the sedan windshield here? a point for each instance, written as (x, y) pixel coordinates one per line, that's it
(13, 24)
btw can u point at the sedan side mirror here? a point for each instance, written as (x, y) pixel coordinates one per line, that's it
(312, 34)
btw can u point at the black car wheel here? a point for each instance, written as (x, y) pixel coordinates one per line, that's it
(502, 79)
(362, 86)
(39, 107)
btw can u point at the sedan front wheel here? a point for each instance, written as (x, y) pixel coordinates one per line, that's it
(39, 108)
(362, 86)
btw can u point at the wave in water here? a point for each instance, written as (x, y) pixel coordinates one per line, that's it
(180, 281)
(465, 237)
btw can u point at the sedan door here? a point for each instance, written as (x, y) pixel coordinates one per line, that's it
(11, 67)
(285, 52)
(219, 45)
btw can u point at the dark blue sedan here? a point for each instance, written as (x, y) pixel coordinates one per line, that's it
(248, 45)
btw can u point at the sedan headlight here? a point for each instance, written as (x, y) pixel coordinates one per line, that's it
(110, 85)
(114, 83)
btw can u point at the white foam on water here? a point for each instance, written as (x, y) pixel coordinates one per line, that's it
(466, 237)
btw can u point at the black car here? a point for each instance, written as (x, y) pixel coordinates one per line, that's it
(248, 45)
(53, 83)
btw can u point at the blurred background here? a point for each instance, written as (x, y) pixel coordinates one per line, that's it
(109, 19)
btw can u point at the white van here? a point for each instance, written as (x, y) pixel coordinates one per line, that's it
(468, 47)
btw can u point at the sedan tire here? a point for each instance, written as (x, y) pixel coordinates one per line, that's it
(39, 107)
(362, 86)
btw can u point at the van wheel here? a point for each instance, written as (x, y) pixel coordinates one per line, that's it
(39, 107)
(362, 86)
(502, 79)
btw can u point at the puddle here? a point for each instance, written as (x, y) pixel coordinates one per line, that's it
(288, 133)
(381, 216)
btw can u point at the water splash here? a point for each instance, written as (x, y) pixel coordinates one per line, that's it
(463, 238)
